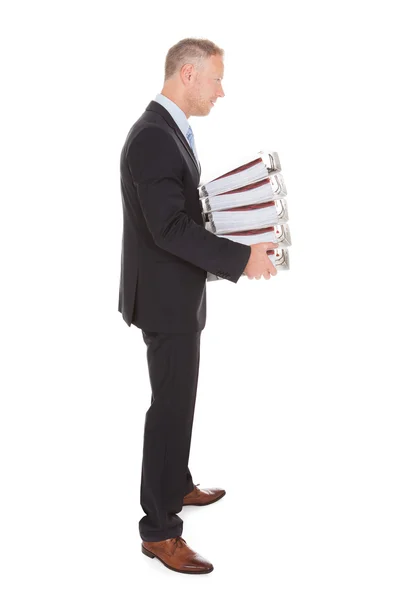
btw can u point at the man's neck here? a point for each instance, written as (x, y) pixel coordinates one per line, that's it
(174, 98)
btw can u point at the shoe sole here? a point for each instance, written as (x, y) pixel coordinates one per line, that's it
(151, 555)
(205, 504)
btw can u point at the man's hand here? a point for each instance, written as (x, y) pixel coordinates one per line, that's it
(259, 264)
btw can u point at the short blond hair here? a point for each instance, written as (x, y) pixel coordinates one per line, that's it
(189, 50)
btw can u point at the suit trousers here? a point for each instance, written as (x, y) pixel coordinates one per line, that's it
(173, 361)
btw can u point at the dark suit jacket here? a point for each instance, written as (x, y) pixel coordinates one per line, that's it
(166, 251)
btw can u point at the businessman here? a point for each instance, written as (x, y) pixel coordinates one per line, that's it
(166, 253)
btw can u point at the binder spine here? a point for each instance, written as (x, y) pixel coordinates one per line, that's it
(202, 212)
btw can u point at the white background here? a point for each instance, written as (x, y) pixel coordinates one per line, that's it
(297, 412)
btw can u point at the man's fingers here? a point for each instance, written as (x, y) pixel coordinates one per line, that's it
(271, 267)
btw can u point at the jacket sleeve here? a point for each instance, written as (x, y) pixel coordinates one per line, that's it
(156, 166)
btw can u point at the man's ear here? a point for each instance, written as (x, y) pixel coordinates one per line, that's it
(187, 72)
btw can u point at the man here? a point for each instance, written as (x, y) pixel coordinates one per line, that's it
(166, 253)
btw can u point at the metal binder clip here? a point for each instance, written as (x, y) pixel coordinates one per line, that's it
(206, 205)
(278, 185)
(202, 212)
(271, 161)
(209, 225)
(282, 210)
(282, 233)
(282, 259)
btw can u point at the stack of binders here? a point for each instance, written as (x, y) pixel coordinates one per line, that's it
(248, 205)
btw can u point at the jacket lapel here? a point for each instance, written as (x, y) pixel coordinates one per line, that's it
(156, 107)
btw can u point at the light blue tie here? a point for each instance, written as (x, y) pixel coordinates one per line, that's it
(190, 138)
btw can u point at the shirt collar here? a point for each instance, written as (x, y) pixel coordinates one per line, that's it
(176, 113)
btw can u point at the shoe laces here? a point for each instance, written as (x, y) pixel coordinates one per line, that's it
(195, 489)
(178, 542)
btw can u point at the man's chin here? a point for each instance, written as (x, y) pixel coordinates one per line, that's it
(202, 112)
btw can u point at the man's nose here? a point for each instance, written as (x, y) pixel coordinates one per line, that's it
(221, 93)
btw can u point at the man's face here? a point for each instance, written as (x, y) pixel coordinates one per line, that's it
(206, 87)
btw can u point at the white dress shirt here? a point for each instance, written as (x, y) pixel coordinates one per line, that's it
(178, 115)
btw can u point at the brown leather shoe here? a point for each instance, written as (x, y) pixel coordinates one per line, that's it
(175, 554)
(203, 497)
